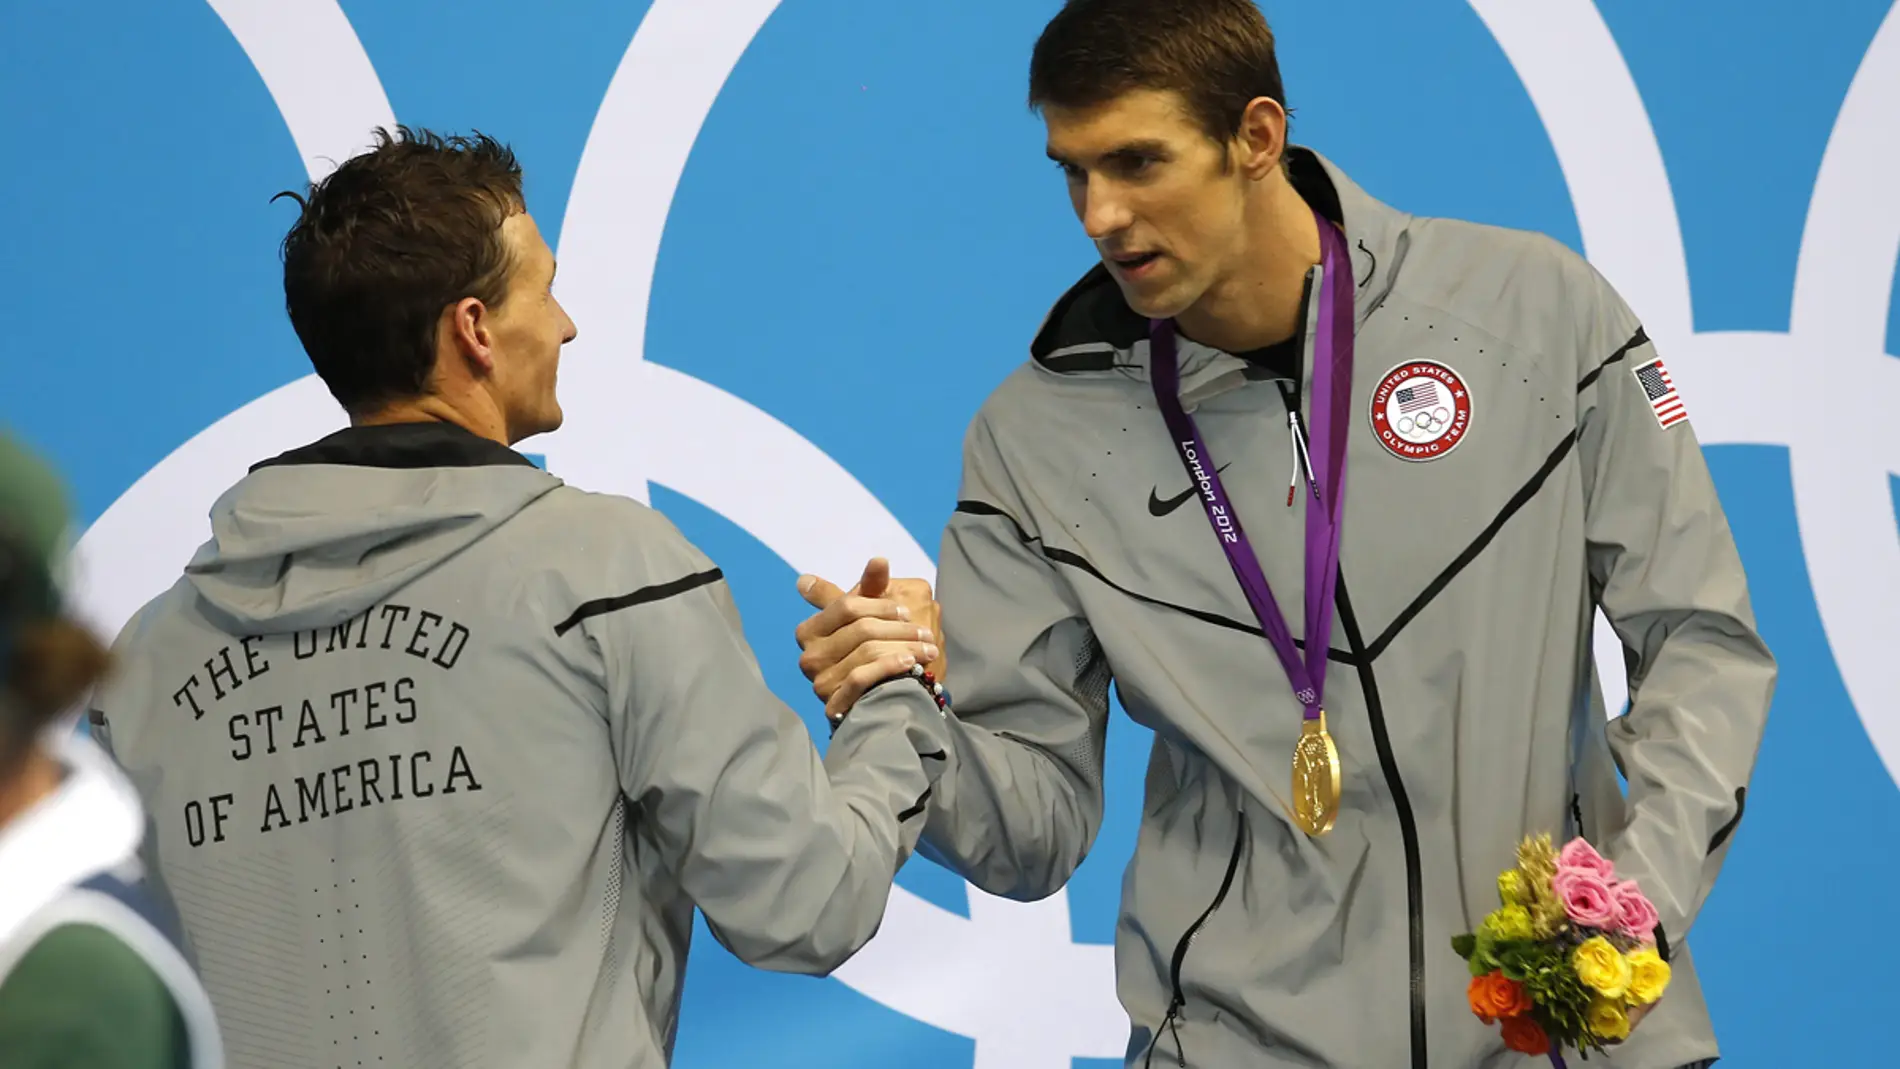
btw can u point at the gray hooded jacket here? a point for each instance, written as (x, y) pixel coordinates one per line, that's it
(1461, 690)
(442, 754)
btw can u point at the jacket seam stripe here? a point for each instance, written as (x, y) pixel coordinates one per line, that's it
(1721, 834)
(1077, 561)
(1437, 586)
(972, 507)
(1636, 339)
(642, 596)
(916, 808)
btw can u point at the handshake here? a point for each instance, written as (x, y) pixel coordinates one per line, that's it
(861, 637)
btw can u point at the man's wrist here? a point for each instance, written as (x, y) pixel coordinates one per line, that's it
(918, 675)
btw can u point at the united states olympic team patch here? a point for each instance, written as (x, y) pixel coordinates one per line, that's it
(1421, 410)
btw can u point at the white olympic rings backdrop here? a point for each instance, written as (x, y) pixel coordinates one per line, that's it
(1012, 978)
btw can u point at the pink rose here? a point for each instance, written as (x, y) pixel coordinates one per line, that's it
(1586, 897)
(1636, 915)
(1579, 854)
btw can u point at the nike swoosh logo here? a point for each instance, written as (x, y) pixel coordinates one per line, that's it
(1158, 508)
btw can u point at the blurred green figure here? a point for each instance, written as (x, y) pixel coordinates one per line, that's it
(93, 972)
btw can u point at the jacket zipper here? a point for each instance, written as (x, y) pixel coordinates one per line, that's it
(1408, 827)
(1395, 785)
(1176, 1000)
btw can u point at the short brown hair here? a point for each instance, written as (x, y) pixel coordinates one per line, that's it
(1217, 54)
(50, 665)
(383, 245)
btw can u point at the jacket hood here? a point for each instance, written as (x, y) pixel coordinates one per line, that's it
(321, 533)
(1091, 328)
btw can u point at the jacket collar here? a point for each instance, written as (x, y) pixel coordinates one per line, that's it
(401, 445)
(1091, 329)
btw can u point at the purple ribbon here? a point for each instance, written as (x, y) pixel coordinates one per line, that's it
(1332, 400)
(1556, 1059)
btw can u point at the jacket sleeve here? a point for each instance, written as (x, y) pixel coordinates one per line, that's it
(1021, 803)
(1666, 573)
(789, 857)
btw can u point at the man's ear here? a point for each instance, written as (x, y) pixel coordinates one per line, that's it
(1262, 137)
(466, 324)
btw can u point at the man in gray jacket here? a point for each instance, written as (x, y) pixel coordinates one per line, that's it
(1163, 479)
(443, 753)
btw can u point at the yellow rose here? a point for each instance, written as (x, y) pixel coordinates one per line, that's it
(1602, 968)
(1607, 1020)
(1649, 975)
(1511, 888)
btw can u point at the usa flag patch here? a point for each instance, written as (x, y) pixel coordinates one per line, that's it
(1664, 401)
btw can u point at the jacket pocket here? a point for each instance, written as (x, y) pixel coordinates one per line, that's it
(1177, 1001)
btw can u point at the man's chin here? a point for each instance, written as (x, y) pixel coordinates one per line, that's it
(544, 423)
(1151, 303)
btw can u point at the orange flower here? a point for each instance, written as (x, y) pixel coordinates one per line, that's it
(1494, 995)
(1524, 1035)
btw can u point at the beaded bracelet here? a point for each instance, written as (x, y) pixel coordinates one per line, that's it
(936, 689)
(938, 693)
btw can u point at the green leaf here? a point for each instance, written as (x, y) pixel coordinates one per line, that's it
(1464, 945)
(1526, 961)
(1484, 955)
(1562, 1000)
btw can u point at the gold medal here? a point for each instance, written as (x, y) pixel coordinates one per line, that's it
(1315, 778)
(1315, 804)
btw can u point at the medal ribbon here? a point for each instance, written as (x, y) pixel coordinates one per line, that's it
(1331, 408)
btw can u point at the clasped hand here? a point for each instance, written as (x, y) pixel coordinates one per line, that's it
(860, 637)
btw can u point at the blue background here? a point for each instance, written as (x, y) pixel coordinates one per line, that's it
(870, 192)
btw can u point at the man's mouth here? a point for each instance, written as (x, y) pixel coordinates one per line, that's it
(1133, 262)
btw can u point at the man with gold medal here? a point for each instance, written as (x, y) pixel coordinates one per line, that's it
(1258, 327)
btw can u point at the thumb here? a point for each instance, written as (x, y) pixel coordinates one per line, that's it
(877, 576)
(818, 592)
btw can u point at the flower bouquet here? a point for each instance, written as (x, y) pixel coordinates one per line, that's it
(1568, 956)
